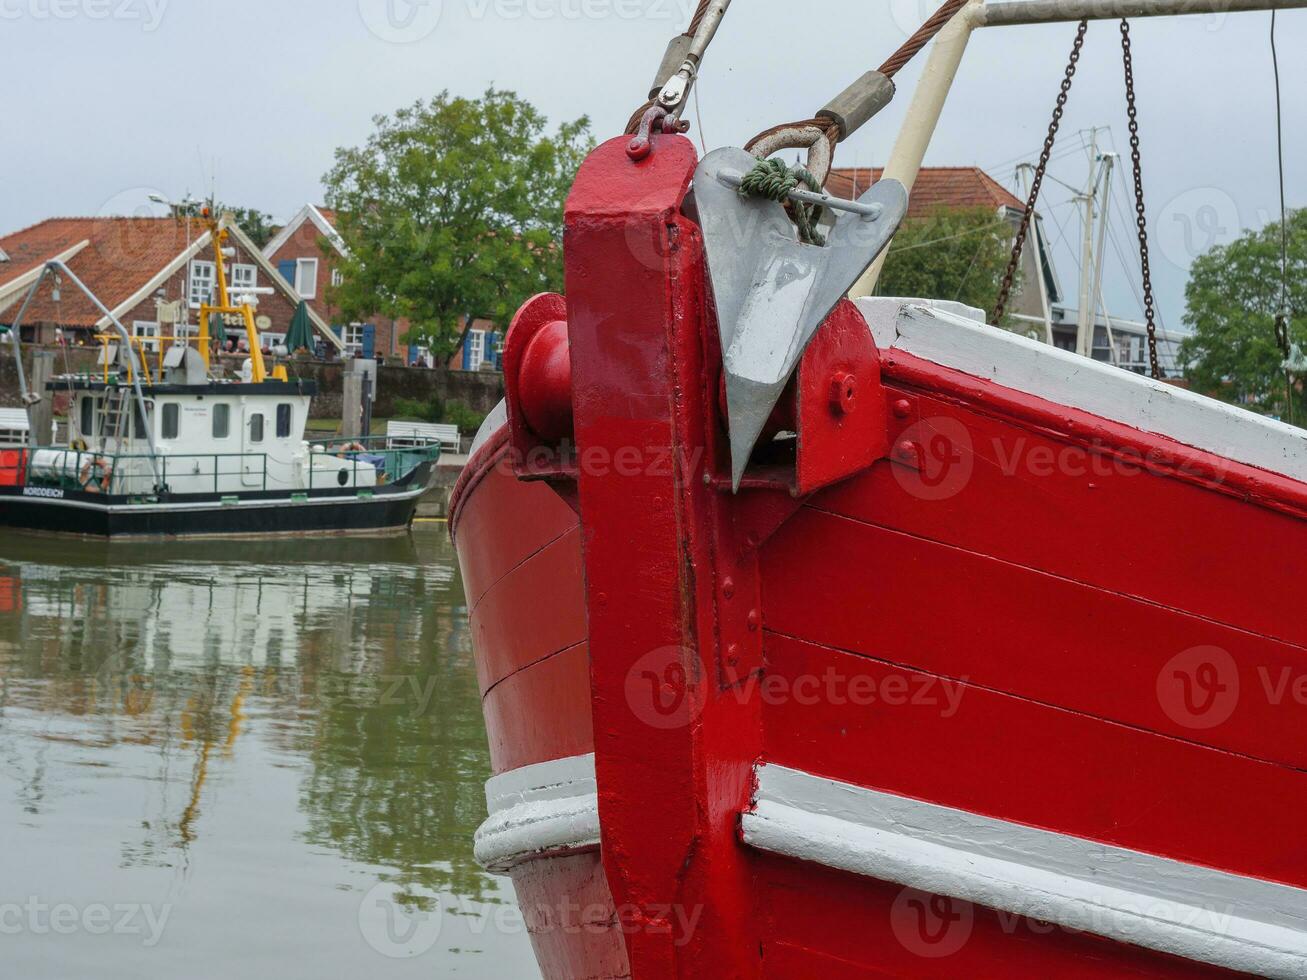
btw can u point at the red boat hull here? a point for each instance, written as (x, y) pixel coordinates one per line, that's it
(900, 726)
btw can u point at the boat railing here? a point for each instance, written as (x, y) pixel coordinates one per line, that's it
(370, 461)
(130, 474)
(392, 461)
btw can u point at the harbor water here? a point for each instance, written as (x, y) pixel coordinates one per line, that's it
(227, 759)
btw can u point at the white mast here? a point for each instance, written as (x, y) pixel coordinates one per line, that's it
(1084, 311)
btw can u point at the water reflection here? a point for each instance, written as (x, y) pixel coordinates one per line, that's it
(319, 696)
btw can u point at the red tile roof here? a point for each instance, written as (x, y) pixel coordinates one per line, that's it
(949, 187)
(123, 255)
(329, 214)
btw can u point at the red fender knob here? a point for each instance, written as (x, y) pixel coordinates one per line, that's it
(545, 383)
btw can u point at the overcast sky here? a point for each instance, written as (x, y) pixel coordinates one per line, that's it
(106, 101)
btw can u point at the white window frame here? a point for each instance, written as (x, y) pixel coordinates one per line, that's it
(195, 283)
(337, 277)
(147, 329)
(352, 335)
(271, 340)
(244, 276)
(476, 340)
(301, 266)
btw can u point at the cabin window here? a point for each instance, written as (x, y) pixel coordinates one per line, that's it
(171, 420)
(221, 421)
(283, 421)
(201, 283)
(306, 278)
(256, 428)
(244, 276)
(140, 423)
(86, 416)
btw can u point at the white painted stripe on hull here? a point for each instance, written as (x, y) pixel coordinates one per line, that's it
(939, 335)
(545, 810)
(208, 505)
(1197, 913)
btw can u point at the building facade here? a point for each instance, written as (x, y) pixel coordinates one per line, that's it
(152, 274)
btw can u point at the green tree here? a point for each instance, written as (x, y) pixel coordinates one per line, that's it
(259, 225)
(453, 207)
(958, 254)
(1230, 305)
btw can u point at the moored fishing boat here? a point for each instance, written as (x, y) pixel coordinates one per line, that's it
(161, 445)
(801, 649)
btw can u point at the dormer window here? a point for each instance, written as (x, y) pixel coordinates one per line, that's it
(3, 257)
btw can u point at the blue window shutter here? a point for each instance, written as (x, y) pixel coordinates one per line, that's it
(369, 341)
(492, 356)
(287, 270)
(467, 351)
(412, 354)
(338, 330)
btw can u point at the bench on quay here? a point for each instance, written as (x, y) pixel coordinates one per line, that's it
(402, 435)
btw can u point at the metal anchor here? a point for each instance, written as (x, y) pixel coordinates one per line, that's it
(771, 291)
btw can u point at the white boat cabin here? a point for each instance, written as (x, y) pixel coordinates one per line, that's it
(214, 437)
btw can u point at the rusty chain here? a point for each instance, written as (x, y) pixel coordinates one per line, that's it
(1019, 245)
(1141, 214)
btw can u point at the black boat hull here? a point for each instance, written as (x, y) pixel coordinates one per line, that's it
(259, 515)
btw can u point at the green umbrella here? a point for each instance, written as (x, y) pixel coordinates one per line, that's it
(301, 330)
(217, 330)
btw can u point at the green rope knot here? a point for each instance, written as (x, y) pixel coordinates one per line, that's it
(773, 180)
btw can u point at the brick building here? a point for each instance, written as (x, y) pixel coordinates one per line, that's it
(304, 253)
(135, 265)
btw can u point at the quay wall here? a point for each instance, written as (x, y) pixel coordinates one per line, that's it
(478, 390)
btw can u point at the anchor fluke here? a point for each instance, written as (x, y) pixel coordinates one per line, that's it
(771, 291)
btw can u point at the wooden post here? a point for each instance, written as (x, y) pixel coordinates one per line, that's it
(40, 414)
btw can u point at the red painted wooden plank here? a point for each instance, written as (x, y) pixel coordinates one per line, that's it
(535, 610)
(1017, 493)
(541, 713)
(826, 923)
(1015, 760)
(958, 614)
(501, 523)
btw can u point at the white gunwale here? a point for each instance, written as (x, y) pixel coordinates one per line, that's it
(1200, 914)
(944, 335)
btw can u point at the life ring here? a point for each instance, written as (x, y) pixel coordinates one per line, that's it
(87, 475)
